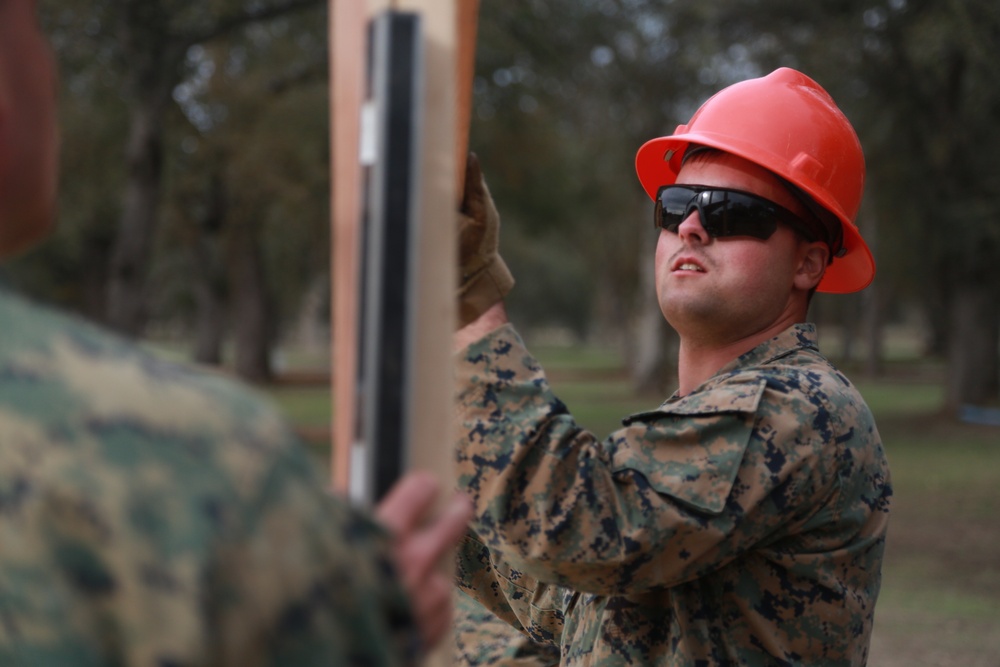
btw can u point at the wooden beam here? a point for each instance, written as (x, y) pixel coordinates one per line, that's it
(445, 140)
(348, 19)
(467, 19)
(432, 439)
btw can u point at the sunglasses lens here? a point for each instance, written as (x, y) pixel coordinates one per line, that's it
(737, 214)
(723, 213)
(672, 206)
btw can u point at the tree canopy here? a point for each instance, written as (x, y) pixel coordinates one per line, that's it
(195, 155)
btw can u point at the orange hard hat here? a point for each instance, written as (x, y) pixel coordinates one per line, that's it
(786, 123)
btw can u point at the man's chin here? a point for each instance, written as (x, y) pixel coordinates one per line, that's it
(689, 311)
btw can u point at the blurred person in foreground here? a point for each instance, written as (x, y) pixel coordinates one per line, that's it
(741, 522)
(154, 515)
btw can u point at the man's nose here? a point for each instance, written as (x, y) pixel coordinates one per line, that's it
(691, 229)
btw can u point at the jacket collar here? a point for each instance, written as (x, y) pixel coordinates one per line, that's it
(795, 338)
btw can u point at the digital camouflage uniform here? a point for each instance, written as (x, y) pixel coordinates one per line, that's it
(742, 524)
(483, 640)
(154, 515)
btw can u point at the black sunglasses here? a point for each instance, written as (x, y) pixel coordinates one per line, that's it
(723, 212)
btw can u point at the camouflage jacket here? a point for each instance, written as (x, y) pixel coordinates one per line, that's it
(158, 516)
(741, 524)
(484, 640)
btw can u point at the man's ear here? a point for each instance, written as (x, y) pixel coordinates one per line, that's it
(813, 260)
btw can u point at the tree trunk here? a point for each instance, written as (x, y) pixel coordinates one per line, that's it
(653, 365)
(873, 304)
(849, 320)
(654, 346)
(210, 275)
(96, 252)
(252, 309)
(210, 297)
(936, 292)
(312, 327)
(873, 300)
(155, 52)
(974, 364)
(140, 214)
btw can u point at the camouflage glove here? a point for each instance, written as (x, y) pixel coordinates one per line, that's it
(484, 278)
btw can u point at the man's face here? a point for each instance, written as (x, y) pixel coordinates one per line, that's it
(716, 291)
(28, 137)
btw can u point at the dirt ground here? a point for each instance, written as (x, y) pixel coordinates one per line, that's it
(940, 602)
(945, 612)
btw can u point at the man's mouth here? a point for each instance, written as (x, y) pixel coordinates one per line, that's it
(689, 266)
(689, 263)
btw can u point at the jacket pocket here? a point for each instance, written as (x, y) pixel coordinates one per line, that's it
(691, 449)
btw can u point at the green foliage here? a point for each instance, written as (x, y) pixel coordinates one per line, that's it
(259, 125)
(305, 407)
(248, 115)
(888, 398)
(565, 93)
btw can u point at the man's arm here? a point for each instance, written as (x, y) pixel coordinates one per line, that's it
(676, 493)
(483, 639)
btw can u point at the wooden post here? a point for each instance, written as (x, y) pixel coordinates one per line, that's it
(432, 438)
(445, 139)
(348, 19)
(467, 22)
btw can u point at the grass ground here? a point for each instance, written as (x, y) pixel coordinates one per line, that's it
(940, 602)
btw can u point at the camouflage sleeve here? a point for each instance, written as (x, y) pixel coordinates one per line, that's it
(484, 640)
(532, 611)
(287, 576)
(625, 516)
(307, 580)
(156, 515)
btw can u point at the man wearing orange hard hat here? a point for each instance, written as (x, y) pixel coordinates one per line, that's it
(742, 521)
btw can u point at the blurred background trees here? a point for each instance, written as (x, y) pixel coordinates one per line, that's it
(917, 78)
(194, 156)
(195, 196)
